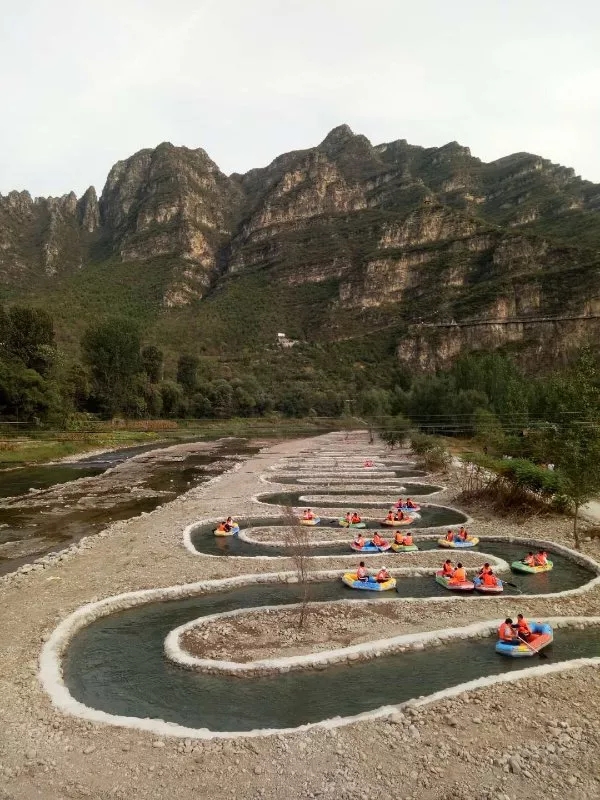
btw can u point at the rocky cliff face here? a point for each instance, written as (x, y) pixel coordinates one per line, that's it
(396, 234)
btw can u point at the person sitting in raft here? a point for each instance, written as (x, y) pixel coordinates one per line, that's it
(399, 503)
(390, 516)
(486, 568)
(382, 576)
(400, 515)
(355, 519)
(378, 540)
(447, 569)
(522, 628)
(541, 559)
(506, 633)
(308, 514)
(360, 540)
(409, 503)
(407, 541)
(529, 559)
(222, 527)
(450, 536)
(361, 572)
(489, 579)
(462, 534)
(348, 517)
(459, 575)
(398, 537)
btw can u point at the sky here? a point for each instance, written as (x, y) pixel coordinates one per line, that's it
(85, 84)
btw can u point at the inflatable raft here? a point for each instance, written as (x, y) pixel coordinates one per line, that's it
(313, 521)
(519, 566)
(369, 547)
(393, 523)
(470, 541)
(408, 509)
(464, 586)
(541, 637)
(351, 580)
(344, 524)
(404, 548)
(483, 589)
(231, 532)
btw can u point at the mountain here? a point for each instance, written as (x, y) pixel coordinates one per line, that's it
(428, 247)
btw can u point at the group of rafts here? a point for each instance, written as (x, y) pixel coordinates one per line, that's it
(514, 639)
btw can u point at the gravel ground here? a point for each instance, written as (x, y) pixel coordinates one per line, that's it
(486, 745)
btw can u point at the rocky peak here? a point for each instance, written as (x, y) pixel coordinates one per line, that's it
(88, 210)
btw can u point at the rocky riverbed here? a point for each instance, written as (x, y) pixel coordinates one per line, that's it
(538, 737)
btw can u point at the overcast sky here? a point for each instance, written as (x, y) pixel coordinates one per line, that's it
(86, 84)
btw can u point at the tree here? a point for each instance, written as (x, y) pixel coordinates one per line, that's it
(394, 430)
(112, 349)
(172, 395)
(27, 335)
(575, 442)
(152, 363)
(299, 539)
(187, 372)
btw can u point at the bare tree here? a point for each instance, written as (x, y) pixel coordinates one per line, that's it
(299, 544)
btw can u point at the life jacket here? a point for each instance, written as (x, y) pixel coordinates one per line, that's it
(377, 540)
(382, 576)
(355, 518)
(361, 573)
(221, 527)
(463, 535)
(448, 570)
(449, 536)
(529, 561)
(488, 579)
(523, 628)
(485, 571)
(505, 632)
(540, 560)
(407, 541)
(398, 538)
(359, 542)
(390, 516)
(399, 516)
(410, 504)
(459, 575)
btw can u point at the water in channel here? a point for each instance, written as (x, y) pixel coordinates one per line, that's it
(117, 665)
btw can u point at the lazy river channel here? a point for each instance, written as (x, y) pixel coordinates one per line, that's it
(116, 664)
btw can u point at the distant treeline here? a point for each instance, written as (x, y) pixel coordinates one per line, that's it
(118, 374)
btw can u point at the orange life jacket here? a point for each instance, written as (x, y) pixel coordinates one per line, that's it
(460, 575)
(382, 575)
(449, 536)
(488, 579)
(355, 518)
(448, 570)
(485, 571)
(463, 535)
(540, 560)
(359, 542)
(398, 538)
(390, 516)
(505, 632)
(221, 527)
(523, 628)
(407, 541)
(378, 540)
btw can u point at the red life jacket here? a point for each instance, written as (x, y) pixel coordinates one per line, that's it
(505, 632)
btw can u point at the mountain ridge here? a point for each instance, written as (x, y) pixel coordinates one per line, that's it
(392, 234)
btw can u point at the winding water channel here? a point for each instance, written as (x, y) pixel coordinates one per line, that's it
(116, 664)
